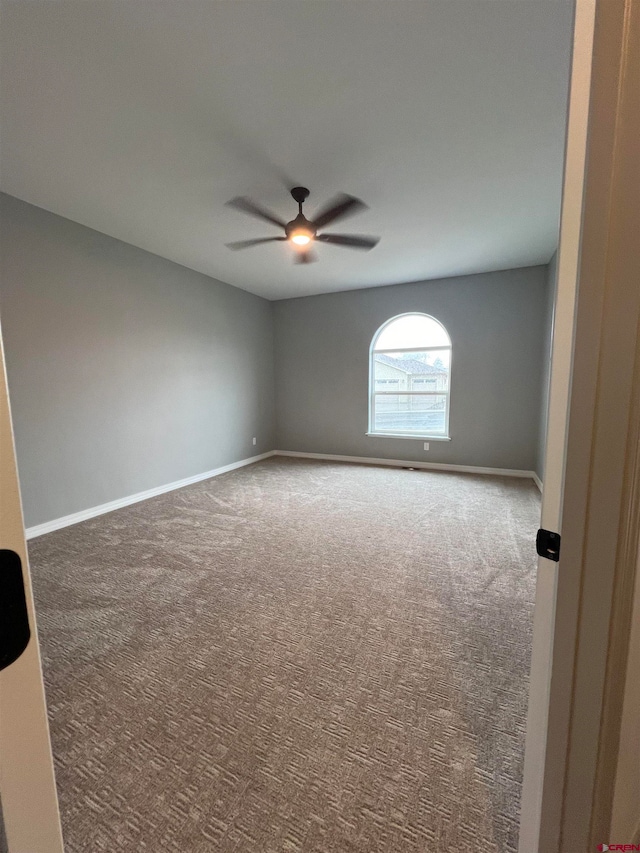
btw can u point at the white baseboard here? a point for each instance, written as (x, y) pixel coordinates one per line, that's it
(85, 514)
(404, 463)
(92, 512)
(537, 481)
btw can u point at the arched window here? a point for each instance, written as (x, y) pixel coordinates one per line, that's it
(410, 378)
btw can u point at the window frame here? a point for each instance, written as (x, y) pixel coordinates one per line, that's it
(422, 436)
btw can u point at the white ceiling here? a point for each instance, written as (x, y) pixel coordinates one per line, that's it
(141, 118)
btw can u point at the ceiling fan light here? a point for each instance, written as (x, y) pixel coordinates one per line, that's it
(301, 238)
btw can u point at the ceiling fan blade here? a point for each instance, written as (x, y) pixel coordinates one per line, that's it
(307, 257)
(352, 240)
(247, 206)
(340, 207)
(244, 244)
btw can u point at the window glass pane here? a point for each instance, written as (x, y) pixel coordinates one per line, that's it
(411, 371)
(412, 331)
(403, 413)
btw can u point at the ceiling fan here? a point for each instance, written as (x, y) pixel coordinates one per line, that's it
(301, 233)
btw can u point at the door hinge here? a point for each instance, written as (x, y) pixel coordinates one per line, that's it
(548, 544)
(14, 618)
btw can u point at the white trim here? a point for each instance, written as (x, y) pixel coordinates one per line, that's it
(92, 512)
(414, 349)
(405, 463)
(85, 514)
(414, 437)
(403, 393)
(372, 354)
(537, 481)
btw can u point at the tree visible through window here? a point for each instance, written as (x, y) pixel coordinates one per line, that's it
(409, 381)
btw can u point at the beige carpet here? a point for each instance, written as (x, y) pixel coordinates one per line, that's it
(296, 656)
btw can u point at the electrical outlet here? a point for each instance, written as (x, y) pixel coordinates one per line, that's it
(255, 441)
(426, 445)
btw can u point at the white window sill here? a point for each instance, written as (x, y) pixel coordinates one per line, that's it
(414, 437)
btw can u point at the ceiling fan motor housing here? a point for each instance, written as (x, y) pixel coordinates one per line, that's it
(300, 223)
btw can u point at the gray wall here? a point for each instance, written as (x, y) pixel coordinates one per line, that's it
(547, 333)
(126, 371)
(496, 322)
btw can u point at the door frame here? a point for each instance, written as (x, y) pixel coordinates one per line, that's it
(30, 814)
(546, 719)
(610, 271)
(573, 743)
